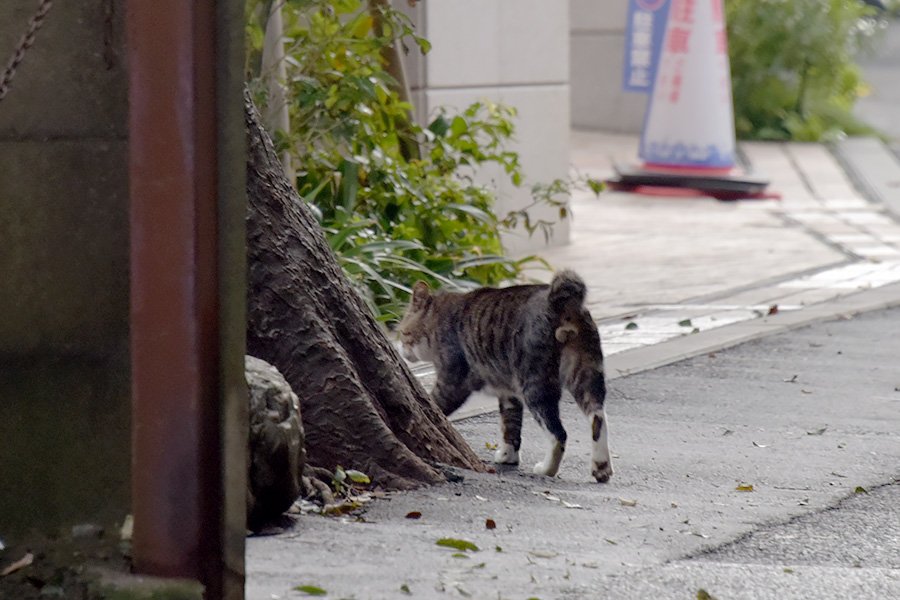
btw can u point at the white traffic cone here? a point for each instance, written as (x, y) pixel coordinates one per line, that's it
(688, 135)
(690, 116)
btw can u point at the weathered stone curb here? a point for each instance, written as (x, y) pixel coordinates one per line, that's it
(873, 168)
(114, 585)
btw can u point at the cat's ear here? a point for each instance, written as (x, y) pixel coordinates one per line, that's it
(421, 294)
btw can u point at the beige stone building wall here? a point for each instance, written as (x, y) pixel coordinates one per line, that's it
(597, 46)
(515, 52)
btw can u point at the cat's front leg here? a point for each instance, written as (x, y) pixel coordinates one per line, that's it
(601, 461)
(454, 384)
(511, 429)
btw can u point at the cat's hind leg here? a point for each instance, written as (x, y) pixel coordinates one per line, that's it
(511, 428)
(544, 405)
(601, 463)
(590, 394)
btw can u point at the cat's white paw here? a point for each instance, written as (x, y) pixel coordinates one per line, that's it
(550, 465)
(506, 454)
(545, 470)
(601, 471)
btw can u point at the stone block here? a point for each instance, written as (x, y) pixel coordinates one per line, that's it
(533, 42)
(591, 15)
(64, 258)
(598, 101)
(70, 83)
(464, 36)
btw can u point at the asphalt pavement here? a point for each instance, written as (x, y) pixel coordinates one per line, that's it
(767, 470)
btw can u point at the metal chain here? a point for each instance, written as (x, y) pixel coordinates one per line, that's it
(24, 44)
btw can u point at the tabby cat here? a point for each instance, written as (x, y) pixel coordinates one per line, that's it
(523, 343)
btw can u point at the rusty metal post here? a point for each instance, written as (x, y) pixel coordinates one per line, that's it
(186, 181)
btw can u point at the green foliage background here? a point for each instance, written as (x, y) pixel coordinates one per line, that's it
(397, 201)
(793, 67)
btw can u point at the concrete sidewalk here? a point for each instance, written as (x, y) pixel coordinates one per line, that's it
(803, 416)
(686, 270)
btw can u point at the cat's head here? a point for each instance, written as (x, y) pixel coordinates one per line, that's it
(417, 325)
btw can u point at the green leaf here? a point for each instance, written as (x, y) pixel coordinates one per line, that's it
(458, 126)
(596, 186)
(424, 45)
(349, 184)
(405, 589)
(439, 126)
(340, 475)
(461, 545)
(357, 476)
(631, 325)
(310, 197)
(685, 323)
(860, 490)
(817, 431)
(481, 215)
(362, 26)
(311, 590)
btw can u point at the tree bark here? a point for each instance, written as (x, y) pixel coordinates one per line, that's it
(361, 406)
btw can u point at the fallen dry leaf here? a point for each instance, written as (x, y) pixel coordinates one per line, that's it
(625, 502)
(461, 545)
(744, 488)
(414, 515)
(19, 564)
(490, 524)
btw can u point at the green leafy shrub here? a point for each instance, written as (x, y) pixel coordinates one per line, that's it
(792, 67)
(398, 201)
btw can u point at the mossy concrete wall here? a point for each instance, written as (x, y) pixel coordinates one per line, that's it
(64, 393)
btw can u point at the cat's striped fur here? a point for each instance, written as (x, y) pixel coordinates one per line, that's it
(523, 343)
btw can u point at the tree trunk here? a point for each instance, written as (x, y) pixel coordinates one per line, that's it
(361, 406)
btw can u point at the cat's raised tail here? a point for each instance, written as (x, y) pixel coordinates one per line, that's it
(567, 291)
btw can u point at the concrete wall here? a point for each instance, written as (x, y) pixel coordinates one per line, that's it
(510, 51)
(597, 46)
(64, 455)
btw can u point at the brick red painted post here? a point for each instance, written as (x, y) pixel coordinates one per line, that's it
(186, 272)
